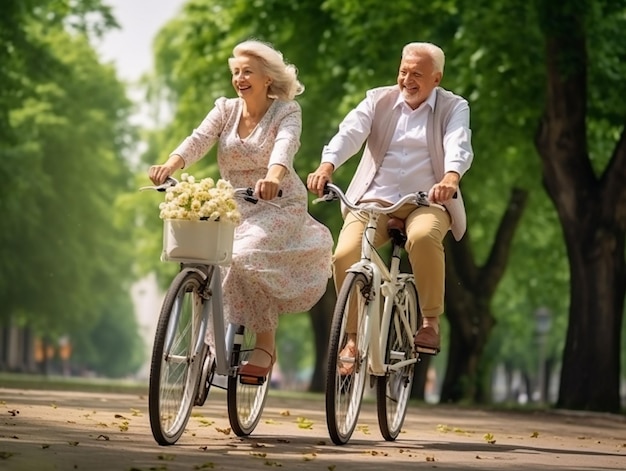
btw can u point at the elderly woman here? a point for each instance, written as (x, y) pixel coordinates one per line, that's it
(281, 257)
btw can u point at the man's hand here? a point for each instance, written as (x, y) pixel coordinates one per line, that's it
(445, 189)
(316, 181)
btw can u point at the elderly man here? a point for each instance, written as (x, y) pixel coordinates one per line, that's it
(417, 137)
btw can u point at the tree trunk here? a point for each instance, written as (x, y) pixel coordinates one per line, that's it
(420, 378)
(469, 290)
(321, 318)
(592, 212)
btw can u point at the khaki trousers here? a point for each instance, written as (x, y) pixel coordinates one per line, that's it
(425, 228)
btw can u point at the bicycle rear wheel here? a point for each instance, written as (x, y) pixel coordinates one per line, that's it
(245, 402)
(176, 357)
(394, 389)
(344, 392)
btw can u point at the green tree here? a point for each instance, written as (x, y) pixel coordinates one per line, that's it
(582, 104)
(64, 261)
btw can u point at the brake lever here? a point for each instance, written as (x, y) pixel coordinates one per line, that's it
(169, 181)
(329, 195)
(250, 198)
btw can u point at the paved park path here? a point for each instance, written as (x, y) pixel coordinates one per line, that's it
(52, 430)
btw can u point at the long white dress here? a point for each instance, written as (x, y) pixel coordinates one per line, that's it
(281, 257)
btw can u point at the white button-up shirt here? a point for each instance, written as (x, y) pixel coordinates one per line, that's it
(406, 166)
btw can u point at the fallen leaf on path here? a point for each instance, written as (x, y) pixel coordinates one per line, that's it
(305, 423)
(225, 431)
(489, 438)
(376, 453)
(273, 463)
(363, 428)
(534, 435)
(208, 465)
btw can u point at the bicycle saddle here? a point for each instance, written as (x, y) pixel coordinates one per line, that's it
(395, 229)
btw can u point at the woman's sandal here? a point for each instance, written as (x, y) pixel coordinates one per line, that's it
(255, 375)
(347, 359)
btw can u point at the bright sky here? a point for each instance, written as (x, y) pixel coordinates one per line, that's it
(131, 47)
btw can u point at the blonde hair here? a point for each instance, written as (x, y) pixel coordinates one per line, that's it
(432, 51)
(285, 84)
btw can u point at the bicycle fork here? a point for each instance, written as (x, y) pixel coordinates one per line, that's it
(223, 337)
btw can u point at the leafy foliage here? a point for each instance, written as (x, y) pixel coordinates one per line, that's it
(64, 261)
(495, 58)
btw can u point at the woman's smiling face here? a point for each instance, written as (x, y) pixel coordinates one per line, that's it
(248, 78)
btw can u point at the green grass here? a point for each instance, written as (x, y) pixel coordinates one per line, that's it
(63, 383)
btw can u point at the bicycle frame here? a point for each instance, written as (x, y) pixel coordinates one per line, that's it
(386, 282)
(222, 344)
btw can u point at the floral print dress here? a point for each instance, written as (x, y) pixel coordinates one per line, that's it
(281, 257)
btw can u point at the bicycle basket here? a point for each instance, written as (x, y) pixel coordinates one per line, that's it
(208, 242)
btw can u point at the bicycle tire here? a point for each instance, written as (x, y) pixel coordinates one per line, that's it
(344, 393)
(394, 389)
(245, 402)
(176, 357)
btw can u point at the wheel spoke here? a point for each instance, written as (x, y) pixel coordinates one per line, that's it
(394, 389)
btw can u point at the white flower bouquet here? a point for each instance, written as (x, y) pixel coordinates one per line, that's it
(200, 219)
(202, 200)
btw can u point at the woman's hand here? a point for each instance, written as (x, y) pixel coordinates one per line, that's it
(267, 188)
(158, 173)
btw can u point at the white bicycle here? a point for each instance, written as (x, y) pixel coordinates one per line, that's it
(385, 301)
(184, 366)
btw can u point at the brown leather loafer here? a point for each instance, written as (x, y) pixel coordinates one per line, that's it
(427, 340)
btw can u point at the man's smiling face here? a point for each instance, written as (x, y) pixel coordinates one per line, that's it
(417, 78)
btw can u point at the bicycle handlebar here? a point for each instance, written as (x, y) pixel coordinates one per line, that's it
(246, 194)
(332, 192)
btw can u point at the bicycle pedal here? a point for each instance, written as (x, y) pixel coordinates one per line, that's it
(426, 350)
(251, 380)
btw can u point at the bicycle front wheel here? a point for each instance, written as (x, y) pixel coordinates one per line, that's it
(245, 402)
(176, 357)
(345, 380)
(394, 389)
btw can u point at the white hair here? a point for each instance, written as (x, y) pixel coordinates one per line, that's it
(432, 51)
(285, 84)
